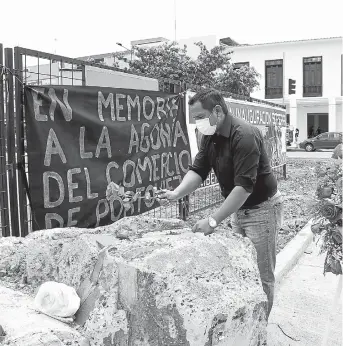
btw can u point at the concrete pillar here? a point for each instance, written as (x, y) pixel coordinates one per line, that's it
(316, 121)
(293, 120)
(332, 115)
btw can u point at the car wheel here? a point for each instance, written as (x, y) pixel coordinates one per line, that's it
(309, 147)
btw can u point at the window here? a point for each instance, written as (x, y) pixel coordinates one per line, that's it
(274, 79)
(323, 136)
(238, 65)
(99, 61)
(312, 77)
(335, 136)
(287, 119)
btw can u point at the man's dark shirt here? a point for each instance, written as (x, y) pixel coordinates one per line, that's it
(239, 160)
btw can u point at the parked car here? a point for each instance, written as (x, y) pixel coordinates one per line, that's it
(326, 140)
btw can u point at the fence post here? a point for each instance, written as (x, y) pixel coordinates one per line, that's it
(284, 171)
(4, 210)
(184, 208)
(19, 122)
(84, 82)
(181, 209)
(12, 181)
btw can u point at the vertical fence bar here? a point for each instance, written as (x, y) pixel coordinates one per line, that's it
(284, 169)
(84, 82)
(20, 143)
(12, 182)
(4, 209)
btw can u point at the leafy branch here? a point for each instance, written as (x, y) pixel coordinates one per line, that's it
(212, 67)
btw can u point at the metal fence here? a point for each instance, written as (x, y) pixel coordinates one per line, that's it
(20, 67)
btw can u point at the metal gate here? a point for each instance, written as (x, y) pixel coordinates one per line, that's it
(15, 213)
(19, 67)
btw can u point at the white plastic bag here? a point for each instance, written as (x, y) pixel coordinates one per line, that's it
(57, 299)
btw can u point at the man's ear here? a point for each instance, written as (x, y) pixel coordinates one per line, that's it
(219, 112)
(218, 109)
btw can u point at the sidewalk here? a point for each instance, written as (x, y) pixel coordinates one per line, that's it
(303, 304)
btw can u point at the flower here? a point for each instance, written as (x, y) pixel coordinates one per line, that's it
(328, 214)
(112, 190)
(325, 192)
(316, 228)
(332, 265)
(337, 237)
(329, 211)
(148, 197)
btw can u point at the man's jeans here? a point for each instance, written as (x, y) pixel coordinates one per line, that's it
(262, 226)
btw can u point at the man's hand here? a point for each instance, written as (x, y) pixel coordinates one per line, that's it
(166, 196)
(203, 226)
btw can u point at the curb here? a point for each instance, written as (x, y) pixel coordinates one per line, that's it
(290, 255)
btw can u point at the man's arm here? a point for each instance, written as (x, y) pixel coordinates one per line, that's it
(190, 183)
(233, 202)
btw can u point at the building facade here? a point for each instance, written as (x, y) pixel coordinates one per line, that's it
(315, 65)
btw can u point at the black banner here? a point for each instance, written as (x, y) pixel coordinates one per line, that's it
(81, 139)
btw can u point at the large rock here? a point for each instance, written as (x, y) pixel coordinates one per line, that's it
(66, 254)
(180, 288)
(147, 282)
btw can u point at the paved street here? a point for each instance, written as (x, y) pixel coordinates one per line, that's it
(299, 153)
(303, 306)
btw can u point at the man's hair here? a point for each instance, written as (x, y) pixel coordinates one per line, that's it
(209, 98)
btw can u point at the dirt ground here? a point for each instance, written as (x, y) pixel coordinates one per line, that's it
(298, 192)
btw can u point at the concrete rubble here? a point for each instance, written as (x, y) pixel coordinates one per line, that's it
(144, 282)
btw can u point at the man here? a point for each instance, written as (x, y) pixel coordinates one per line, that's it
(296, 135)
(235, 151)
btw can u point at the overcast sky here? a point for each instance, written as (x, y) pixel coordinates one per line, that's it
(76, 28)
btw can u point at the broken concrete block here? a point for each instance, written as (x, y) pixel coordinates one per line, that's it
(181, 289)
(165, 286)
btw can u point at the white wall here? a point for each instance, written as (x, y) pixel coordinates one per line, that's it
(44, 74)
(329, 49)
(96, 76)
(339, 125)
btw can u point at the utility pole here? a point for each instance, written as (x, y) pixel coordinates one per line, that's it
(121, 45)
(175, 20)
(283, 77)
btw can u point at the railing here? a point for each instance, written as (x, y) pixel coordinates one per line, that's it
(202, 198)
(274, 92)
(312, 91)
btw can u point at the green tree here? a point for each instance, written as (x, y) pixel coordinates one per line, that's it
(240, 81)
(212, 68)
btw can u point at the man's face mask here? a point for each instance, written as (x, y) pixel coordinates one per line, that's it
(204, 126)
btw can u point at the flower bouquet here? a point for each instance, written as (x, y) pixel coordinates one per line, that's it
(327, 223)
(127, 198)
